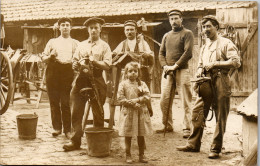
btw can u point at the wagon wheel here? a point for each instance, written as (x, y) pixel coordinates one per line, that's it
(7, 83)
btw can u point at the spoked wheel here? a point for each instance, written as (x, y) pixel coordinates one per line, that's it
(7, 84)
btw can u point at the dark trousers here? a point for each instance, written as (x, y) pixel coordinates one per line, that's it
(59, 78)
(221, 105)
(78, 106)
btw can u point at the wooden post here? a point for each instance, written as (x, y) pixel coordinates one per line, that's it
(26, 47)
(112, 104)
(85, 116)
(251, 158)
(25, 37)
(41, 87)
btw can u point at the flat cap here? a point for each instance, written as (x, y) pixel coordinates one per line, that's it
(64, 19)
(210, 17)
(94, 20)
(175, 12)
(131, 23)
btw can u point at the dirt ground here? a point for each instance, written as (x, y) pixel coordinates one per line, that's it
(47, 150)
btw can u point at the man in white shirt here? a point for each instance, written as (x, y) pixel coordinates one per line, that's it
(217, 56)
(99, 53)
(59, 76)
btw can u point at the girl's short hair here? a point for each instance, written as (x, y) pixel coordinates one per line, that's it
(133, 64)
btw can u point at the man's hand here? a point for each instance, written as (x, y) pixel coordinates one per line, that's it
(45, 59)
(170, 68)
(200, 72)
(53, 54)
(75, 66)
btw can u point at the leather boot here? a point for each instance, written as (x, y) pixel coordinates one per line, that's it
(140, 141)
(128, 150)
(71, 146)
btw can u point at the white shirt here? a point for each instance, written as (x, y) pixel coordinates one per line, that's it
(100, 51)
(143, 46)
(131, 44)
(62, 47)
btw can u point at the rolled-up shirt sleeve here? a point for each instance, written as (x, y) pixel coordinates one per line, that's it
(200, 62)
(232, 53)
(119, 48)
(76, 56)
(107, 55)
(150, 57)
(48, 48)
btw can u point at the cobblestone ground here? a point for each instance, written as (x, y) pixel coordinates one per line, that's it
(47, 150)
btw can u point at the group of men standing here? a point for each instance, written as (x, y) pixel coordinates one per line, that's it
(63, 56)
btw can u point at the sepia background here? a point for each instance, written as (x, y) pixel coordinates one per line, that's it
(29, 24)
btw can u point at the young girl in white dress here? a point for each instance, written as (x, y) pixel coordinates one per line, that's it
(134, 119)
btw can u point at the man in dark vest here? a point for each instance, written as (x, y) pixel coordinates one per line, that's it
(217, 56)
(139, 48)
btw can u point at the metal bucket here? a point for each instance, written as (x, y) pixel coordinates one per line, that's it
(27, 124)
(99, 141)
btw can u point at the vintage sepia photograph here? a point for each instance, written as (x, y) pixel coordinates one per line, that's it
(129, 82)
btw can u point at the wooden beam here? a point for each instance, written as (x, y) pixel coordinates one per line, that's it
(251, 158)
(107, 25)
(235, 25)
(240, 94)
(253, 30)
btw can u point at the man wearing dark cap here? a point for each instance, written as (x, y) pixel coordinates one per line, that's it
(174, 54)
(99, 53)
(136, 45)
(217, 56)
(59, 76)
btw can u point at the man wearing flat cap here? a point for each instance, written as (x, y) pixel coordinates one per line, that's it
(138, 48)
(98, 53)
(136, 45)
(59, 76)
(217, 56)
(174, 54)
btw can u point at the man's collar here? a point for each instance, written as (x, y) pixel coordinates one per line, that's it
(61, 37)
(94, 42)
(215, 39)
(131, 40)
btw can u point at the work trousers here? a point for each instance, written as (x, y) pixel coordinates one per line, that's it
(180, 81)
(78, 106)
(59, 78)
(221, 105)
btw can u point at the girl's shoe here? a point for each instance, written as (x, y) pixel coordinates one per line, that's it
(129, 159)
(143, 159)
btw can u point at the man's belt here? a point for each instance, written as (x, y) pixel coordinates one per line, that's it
(223, 71)
(201, 79)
